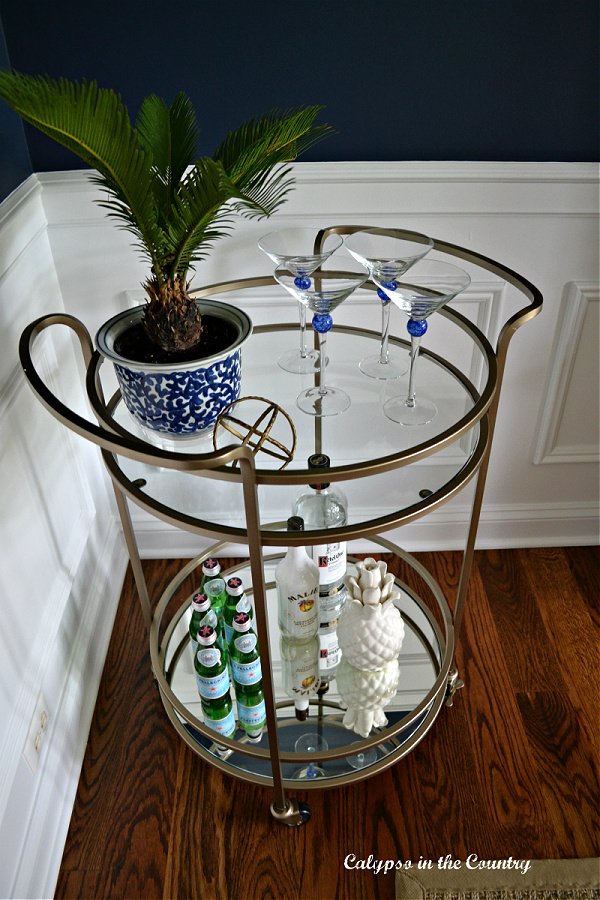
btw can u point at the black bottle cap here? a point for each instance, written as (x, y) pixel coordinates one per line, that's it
(319, 461)
(295, 523)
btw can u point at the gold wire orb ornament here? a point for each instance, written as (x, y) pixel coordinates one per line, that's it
(259, 435)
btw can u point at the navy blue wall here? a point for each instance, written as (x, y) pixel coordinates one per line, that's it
(15, 165)
(401, 79)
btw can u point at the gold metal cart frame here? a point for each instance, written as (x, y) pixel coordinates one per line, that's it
(115, 441)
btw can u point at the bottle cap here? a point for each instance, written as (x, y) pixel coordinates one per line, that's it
(206, 635)
(295, 523)
(242, 622)
(301, 709)
(200, 601)
(211, 567)
(319, 461)
(235, 587)
(214, 588)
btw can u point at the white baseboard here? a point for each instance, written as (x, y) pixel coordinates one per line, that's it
(33, 872)
(500, 527)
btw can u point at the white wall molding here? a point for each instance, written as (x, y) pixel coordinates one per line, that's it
(576, 303)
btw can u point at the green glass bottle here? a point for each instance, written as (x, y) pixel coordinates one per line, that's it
(202, 614)
(212, 678)
(247, 676)
(236, 602)
(216, 593)
(211, 568)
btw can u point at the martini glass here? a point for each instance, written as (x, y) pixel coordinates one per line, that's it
(387, 256)
(328, 290)
(432, 285)
(295, 249)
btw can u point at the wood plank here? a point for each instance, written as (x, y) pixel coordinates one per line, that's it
(568, 775)
(530, 655)
(565, 610)
(503, 761)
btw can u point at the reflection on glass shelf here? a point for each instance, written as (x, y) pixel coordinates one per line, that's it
(290, 731)
(419, 659)
(362, 433)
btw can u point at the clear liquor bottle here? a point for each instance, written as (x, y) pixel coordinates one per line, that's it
(202, 614)
(212, 678)
(236, 602)
(247, 676)
(297, 581)
(325, 506)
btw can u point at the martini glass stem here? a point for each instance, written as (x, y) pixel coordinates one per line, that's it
(322, 324)
(303, 350)
(322, 366)
(416, 328)
(385, 332)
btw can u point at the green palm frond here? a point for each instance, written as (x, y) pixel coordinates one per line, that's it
(95, 125)
(170, 135)
(197, 210)
(252, 155)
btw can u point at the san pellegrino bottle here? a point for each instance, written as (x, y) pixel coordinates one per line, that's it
(247, 676)
(300, 670)
(216, 593)
(211, 568)
(212, 678)
(202, 614)
(325, 506)
(297, 580)
(235, 602)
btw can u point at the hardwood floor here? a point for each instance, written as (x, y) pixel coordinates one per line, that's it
(510, 770)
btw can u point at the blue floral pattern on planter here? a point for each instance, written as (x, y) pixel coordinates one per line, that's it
(181, 403)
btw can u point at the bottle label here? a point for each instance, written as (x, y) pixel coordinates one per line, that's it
(225, 726)
(245, 643)
(209, 619)
(300, 611)
(252, 718)
(246, 673)
(300, 677)
(329, 652)
(211, 686)
(331, 560)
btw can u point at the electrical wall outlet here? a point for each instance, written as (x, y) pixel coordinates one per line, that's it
(36, 734)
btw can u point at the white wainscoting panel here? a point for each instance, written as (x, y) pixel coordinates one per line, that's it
(569, 424)
(61, 563)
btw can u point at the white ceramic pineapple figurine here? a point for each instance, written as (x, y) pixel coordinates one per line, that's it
(370, 634)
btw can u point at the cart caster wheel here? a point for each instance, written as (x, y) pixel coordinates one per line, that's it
(295, 813)
(304, 813)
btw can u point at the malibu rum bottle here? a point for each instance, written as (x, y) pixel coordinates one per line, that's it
(297, 580)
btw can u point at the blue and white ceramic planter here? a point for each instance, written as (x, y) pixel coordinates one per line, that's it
(181, 400)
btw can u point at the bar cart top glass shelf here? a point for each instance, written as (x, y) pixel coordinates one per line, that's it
(391, 474)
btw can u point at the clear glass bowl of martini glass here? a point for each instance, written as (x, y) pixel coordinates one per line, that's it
(295, 248)
(432, 284)
(387, 256)
(330, 286)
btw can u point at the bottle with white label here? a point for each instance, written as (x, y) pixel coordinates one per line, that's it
(300, 672)
(297, 580)
(202, 614)
(325, 506)
(212, 678)
(247, 677)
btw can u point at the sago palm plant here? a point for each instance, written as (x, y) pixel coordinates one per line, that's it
(174, 203)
